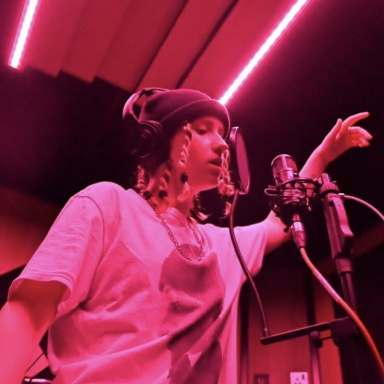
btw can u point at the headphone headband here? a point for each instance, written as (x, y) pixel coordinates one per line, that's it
(137, 100)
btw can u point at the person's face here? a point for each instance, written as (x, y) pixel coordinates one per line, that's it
(206, 150)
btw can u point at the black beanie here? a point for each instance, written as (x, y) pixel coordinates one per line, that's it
(171, 108)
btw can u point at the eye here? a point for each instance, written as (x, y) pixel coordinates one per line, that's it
(201, 130)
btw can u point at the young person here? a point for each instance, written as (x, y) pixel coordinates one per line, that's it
(132, 289)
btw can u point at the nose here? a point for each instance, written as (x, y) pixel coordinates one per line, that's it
(220, 145)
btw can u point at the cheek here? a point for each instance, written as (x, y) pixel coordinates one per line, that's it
(193, 152)
(198, 146)
(196, 157)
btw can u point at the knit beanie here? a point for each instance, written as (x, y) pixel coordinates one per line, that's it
(173, 107)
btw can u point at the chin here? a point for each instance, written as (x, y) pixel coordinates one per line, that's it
(208, 181)
(205, 186)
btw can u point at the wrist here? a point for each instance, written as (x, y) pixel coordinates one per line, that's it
(316, 164)
(324, 156)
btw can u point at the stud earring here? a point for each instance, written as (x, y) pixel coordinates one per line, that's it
(162, 194)
(183, 177)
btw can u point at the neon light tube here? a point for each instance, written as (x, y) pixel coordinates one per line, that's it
(23, 33)
(288, 18)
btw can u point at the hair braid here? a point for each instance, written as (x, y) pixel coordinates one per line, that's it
(142, 179)
(225, 186)
(161, 184)
(182, 163)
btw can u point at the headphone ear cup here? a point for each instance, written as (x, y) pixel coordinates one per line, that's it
(147, 141)
(148, 144)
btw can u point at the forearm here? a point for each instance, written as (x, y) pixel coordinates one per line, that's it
(23, 321)
(316, 164)
(276, 232)
(18, 340)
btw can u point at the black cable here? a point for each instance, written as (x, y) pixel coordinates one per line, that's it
(370, 206)
(34, 362)
(245, 268)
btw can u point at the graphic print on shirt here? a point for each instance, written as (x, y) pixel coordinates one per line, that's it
(194, 293)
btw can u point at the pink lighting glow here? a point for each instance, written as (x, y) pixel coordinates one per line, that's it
(23, 33)
(288, 18)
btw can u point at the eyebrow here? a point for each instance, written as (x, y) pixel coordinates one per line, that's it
(220, 129)
(212, 125)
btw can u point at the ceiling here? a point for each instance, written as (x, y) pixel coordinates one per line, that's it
(60, 114)
(134, 44)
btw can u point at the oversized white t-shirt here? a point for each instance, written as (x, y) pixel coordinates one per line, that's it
(135, 310)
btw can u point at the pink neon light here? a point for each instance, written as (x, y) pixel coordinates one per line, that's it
(23, 33)
(288, 18)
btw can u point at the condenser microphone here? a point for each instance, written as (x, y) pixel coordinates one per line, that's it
(284, 169)
(289, 187)
(288, 198)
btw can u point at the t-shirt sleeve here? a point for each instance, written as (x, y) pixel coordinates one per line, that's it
(71, 250)
(252, 240)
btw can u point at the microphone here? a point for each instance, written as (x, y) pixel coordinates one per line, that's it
(290, 197)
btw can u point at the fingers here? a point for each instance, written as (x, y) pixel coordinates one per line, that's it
(359, 136)
(360, 142)
(349, 121)
(359, 131)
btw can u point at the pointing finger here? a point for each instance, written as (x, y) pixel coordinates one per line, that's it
(349, 121)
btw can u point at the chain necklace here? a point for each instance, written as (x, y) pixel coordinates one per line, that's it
(173, 237)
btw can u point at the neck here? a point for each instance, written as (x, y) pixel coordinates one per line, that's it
(174, 190)
(172, 201)
(183, 206)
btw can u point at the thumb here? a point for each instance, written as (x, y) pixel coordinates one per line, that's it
(337, 129)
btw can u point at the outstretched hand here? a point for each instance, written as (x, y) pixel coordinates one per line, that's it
(344, 135)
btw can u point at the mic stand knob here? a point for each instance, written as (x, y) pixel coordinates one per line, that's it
(298, 231)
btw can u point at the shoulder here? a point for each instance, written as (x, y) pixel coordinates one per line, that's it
(105, 192)
(104, 188)
(109, 197)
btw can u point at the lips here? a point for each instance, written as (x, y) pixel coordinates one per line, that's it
(216, 162)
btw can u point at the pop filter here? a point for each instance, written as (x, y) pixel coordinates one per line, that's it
(238, 164)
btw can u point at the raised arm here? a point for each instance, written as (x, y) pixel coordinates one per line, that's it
(23, 321)
(343, 136)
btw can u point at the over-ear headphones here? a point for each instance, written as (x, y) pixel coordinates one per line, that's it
(154, 115)
(147, 139)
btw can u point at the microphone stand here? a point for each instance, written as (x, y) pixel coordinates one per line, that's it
(340, 237)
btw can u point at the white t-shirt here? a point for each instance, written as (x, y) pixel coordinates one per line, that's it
(135, 310)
